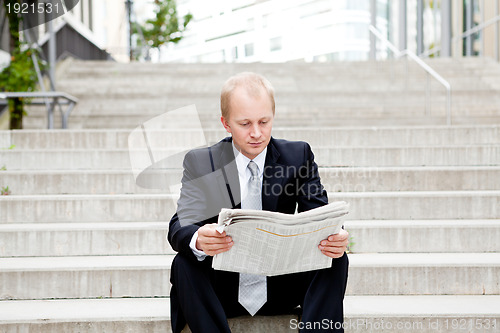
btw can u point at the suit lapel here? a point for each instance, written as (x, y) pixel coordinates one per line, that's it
(226, 162)
(272, 184)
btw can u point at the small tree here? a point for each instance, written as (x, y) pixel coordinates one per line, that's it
(164, 28)
(20, 75)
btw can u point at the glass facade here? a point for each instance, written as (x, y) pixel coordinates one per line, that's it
(277, 31)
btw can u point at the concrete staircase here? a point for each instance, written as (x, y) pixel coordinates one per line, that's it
(82, 248)
(114, 95)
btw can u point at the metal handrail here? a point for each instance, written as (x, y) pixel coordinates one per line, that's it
(422, 64)
(465, 34)
(34, 46)
(476, 29)
(70, 101)
(144, 43)
(45, 95)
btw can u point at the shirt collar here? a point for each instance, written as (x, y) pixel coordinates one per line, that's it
(242, 161)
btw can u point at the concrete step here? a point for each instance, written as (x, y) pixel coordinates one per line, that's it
(411, 106)
(83, 239)
(98, 121)
(442, 178)
(5, 139)
(210, 71)
(415, 205)
(32, 182)
(57, 159)
(148, 276)
(424, 273)
(364, 179)
(376, 89)
(148, 238)
(87, 208)
(85, 277)
(410, 156)
(374, 86)
(424, 314)
(131, 315)
(92, 315)
(421, 205)
(171, 85)
(485, 104)
(294, 70)
(355, 136)
(432, 236)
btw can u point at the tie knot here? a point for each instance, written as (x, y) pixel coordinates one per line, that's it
(254, 168)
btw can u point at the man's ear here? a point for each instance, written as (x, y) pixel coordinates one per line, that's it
(225, 124)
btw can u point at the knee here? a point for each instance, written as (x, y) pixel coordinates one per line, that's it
(180, 268)
(338, 270)
(184, 267)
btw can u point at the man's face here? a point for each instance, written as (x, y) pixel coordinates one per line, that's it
(250, 121)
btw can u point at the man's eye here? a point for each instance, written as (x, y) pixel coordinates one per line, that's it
(244, 124)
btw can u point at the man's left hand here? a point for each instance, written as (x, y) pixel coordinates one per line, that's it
(335, 245)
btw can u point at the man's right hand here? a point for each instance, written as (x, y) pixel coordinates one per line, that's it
(211, 241)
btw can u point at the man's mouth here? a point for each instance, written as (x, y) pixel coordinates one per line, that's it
(255, 144)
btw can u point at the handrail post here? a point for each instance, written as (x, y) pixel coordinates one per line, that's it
(422, 64)
(50, 116)
(427, 96)
(448, 107)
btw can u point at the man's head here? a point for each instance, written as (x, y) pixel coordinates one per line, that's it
(247, 106)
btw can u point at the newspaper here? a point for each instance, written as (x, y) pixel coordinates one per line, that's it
(270, 243)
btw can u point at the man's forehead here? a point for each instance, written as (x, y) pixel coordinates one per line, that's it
(252, 117)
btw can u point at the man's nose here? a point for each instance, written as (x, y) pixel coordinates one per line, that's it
(255, 131)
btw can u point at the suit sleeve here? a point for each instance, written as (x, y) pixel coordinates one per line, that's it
(190, 207)
(311, 193)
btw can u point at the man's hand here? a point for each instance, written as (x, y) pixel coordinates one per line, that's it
(211, 241)
(335, 245)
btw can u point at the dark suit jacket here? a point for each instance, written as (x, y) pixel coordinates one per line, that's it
(210, 182)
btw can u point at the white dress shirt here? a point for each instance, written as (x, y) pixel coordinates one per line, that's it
(244, 175)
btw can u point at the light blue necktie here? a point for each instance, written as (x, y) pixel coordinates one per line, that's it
(253, 288)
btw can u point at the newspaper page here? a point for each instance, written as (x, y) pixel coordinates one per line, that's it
(270, 243)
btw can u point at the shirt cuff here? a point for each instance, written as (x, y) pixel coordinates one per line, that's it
(200, 255)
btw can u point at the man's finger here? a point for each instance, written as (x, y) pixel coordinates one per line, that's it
(211, 233)
(333, 255)
(212, 246)
(334, 246)
(218, 250)
(335, 243)
(338, 237)
(215, 240)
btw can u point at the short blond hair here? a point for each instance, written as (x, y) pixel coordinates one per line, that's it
(252, 82)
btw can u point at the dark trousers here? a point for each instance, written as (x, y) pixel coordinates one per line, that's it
(205, 298)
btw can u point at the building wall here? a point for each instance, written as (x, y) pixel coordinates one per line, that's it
(104, 23)
(275, 30)
(313, 30)
(489, 32)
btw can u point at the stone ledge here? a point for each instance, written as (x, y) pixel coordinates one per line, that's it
(427, 313)
(258, 324)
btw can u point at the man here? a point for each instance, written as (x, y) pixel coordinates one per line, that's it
(231, 174)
